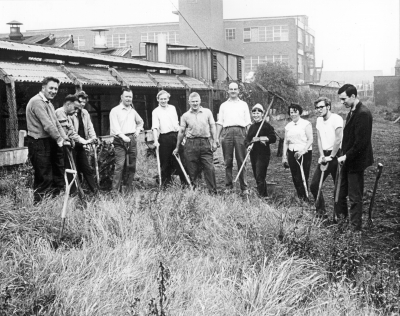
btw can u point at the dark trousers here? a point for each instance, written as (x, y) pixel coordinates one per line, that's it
(260, 163)
(296, 173)
(198, 157)
(330, 170)
(121, 150)
(168, 162)
(232, 140)
(352, 185)
(83, 166)
(48, 169)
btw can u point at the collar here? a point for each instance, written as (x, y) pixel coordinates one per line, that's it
(199, 110)
(163, 107)
(357, 106)
(43, 97)
(124, 107)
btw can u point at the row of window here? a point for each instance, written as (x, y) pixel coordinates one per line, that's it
(125, 40)
(275, 33)
(251, 62)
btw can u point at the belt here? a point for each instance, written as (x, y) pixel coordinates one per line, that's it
(168, 133)
(197, 138)
(234, 126)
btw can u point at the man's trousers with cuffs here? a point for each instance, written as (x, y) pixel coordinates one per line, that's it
(120, 171)
(352, 185)
(314, 186)
(198, 157)
(168, 162)
(48, 169)
(296, 173)
(232, 140)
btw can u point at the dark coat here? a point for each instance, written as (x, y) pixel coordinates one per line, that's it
(266, 130)
(356, 143)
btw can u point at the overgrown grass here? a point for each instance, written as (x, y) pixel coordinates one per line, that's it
(178, 252)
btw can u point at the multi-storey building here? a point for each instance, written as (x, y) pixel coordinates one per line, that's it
(286, 39)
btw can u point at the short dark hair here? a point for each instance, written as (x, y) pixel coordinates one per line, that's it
(349, 89)
(295, 106)
(82, 94)
(125, 89)
(326, 100)
(70, 98)
(46, 80)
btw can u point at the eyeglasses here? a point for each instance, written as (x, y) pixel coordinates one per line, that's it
(253, 111)
(320, 107)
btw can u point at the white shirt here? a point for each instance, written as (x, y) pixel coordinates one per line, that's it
(124, 120)
(165, 119)
(327, 128)
(234, 113)
(296, 135)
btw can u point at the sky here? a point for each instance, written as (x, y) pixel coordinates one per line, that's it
(349, 34)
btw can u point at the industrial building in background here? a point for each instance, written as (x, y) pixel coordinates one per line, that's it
(286, 39)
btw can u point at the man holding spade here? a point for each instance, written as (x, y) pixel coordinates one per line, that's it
(357, 154)
(199, 125)
(329, 133)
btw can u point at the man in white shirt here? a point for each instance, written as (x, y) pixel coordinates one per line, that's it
(125, 126)
(165, 126)
(232, 125)
(330, 132)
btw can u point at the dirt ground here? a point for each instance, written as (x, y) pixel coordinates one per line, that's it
(383, 239)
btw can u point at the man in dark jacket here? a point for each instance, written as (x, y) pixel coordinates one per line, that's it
(357, 154)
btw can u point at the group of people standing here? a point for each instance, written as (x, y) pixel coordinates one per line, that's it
(53, 133)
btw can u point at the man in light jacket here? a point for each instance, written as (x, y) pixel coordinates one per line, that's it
(45, 136)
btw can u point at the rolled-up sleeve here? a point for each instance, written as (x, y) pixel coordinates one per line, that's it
(155, 121)
(221, 115)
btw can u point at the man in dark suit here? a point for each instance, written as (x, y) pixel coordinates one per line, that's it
(357, 154)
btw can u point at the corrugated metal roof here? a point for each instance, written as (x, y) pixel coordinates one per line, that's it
(168, 81)
(59, 53)
(137, 79)
(33, 72)
(35, 39)
(193, 83)
(93, 76)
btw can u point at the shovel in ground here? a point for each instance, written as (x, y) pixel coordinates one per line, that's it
(303, 177)
(338, 181)
(323, 168)
(371, 205)
(96, 163)
(73, 167)
(158, 165)
(65, 204)
(183, 170)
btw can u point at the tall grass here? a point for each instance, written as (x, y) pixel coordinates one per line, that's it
(178, 252)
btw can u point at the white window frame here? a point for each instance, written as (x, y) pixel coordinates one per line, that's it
(272, 33)
(172, 37)
(80, 42)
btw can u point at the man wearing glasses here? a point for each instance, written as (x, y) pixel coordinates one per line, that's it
(233, 122)
(329, 132)
(357, 154)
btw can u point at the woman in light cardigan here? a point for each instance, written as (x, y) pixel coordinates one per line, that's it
(297, 148)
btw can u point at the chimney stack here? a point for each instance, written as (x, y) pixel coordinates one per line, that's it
(100, 39)
(15, 33)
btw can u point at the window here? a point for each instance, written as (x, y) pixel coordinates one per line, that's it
(118, 40)
(79, 42)
(300, 64)
(299, 35)
(172, 37)
(251, 62)
(275, 33)
(230, 34)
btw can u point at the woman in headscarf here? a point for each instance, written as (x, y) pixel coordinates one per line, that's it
(297, 149)
(260, 152)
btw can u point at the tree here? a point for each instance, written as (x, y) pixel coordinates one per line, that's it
(278, 78)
